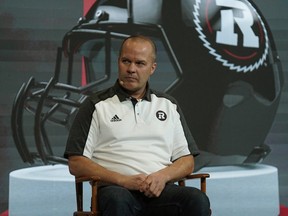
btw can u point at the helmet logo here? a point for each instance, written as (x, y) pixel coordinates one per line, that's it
(233, 32)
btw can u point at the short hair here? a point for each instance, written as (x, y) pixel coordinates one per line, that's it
(144, 38)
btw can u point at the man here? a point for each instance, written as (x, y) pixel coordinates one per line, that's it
(136, 141)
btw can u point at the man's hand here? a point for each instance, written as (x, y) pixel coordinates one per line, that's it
(155, 182)
(134, 182)
(153, 185)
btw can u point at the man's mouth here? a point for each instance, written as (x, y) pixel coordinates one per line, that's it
(130, 79)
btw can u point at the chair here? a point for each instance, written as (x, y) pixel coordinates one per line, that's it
(94, 183)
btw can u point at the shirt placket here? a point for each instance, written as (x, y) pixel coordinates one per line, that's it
(137, 110)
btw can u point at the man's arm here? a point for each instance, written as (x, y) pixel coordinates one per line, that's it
(177, 170)
(180, 168)
(80, 166)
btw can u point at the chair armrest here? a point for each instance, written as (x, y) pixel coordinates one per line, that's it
(197, 175)
(201, 176)
(85, 178)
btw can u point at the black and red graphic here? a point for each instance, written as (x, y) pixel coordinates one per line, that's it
(216, 57)
(233, 32)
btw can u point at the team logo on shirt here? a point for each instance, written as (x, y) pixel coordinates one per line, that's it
(161, 115)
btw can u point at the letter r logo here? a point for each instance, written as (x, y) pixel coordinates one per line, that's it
(161, 115)
(233, 32)
(227, 33)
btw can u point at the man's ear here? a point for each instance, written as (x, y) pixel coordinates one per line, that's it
(153, 68)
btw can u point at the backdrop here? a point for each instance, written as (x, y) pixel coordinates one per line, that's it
(31, 31)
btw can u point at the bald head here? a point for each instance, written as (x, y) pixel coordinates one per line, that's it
(144, 39)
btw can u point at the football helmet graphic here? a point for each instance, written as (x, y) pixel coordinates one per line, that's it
(216, 57)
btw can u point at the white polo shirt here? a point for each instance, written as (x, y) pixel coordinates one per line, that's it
(130, 136)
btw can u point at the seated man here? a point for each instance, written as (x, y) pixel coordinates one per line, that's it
(136, 141)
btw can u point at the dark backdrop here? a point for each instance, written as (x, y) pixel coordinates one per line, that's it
(31, 31)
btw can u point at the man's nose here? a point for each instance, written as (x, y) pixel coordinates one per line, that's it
(131, 68)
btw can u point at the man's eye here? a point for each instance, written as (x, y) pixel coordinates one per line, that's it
(140, 63)
(125, 61)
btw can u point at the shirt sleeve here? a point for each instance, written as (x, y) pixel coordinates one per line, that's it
(193, 148)
(79, 130)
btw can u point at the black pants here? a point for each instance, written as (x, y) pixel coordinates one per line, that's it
(174, 200)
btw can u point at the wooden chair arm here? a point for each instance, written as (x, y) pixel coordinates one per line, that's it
(85, 178)
(201, 176)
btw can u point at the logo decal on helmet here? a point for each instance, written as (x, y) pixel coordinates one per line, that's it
(233, 32)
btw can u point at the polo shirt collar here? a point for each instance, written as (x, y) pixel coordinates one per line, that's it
(122, 95)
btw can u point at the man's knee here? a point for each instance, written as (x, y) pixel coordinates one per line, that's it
(199, 202)
(115, 200)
